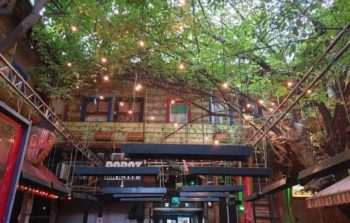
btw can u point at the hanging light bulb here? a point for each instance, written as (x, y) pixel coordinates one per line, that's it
(138, 87)
(182, 3)
(216, 142)
(172, 102)
(106, 78)
(77, 87)
(176, 125)
(69, 64)
(101, 97)
(121, 103)
(73, 28)
(261, 101)
(94, 80)
(272, 104)
(181, 66)
(225, 85)
(271, 109)
(141, 43)
(130, 112)
(152, 118)
(289, 84)
(309, 91)
(248, 105)
(103, 60)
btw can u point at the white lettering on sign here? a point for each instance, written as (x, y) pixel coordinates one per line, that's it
(123, 163)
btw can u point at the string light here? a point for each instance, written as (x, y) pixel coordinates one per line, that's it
(141, 43)
(261, 101)
(181, 66)
(216, 142)
(248, 105)
(271, 109)
(309, 91)
(94, 80)
(152, 118)
(121, 103)
(37, 192)
(130, 112)
(103, 60)
(101, 97)
(272, 104)
(73, 28)
(106, 78)
(138, 87)
(225, 85)
(172, 102)
(289, 84)
(77, 87)
(69, 64)
(182, 3)
(176, 125)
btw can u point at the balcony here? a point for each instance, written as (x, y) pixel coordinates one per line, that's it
(114, 133)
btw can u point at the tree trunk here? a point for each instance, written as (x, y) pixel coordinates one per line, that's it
(23, 27)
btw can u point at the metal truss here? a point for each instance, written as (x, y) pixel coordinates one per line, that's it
(15, 80)
(323, 63)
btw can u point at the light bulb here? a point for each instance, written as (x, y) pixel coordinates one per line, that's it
(141, 43)
(261, 101)
(130, 112)
(172, 102)
(138, 87)
(289, 84)
(73, 28)
(106, 78)
(216, 142)
(77, 87)
(176, 125)
(309, 91)
(181, 66)
(152, 118)
(249, 105)
(103, 60)
(69, 64)
(94, 80)
(121, 103)
(225, 85)
(101, 97)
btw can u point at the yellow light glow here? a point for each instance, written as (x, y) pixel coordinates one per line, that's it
(101, 97)
(121, 103)
(216, 142)
(248, 105)
(104, 60)
(69, 64)
(172, 102)
(225, 85)
(309, 91)
(130, 112)
(289, 84)
(138, 87)
(77, 87)
(141, 43)
(261, 102)
(176, 125)
(152, 118)
(106, 78)
(181, 66)
(73, 28)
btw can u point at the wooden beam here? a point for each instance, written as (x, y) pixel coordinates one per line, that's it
(199, 199)
(220, 171)
(204, 194)
(337, 163)
(116, 171)
(213, 188)
(187, 151)
(279, 185)
(134, 190)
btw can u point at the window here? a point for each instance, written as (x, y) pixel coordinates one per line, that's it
(220, 109)
(128, 110)
(96, 109)
(179, 111)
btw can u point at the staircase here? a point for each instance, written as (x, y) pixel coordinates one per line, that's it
(263, 209)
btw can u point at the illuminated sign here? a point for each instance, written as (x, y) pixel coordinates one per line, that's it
(299, 191)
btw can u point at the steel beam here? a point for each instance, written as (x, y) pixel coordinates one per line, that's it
(142, 199)
(134, 190)
(116, 171)
(239, 171)
(199, 199)
(136, 195)
(204, 194)
(213, 188)
(187, 151)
